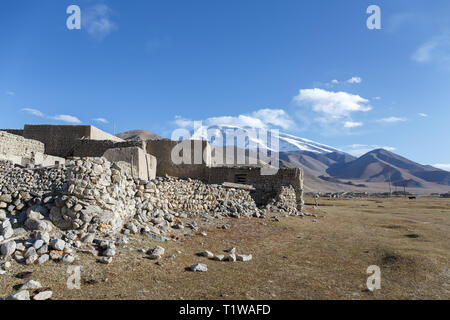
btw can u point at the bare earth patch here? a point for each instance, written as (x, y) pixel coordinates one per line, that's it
(310, 258)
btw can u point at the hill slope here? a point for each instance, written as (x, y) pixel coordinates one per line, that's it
(138, 135)
(382, 166)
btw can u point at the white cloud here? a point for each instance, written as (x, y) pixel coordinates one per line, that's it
(261, 119)
(97, 21)
(443, 166)
(358, 150)
(34, 112)
(10, 93)
(276, 117)
(436, 50)
(424, 115)
(352, 124)
(392, 120)
(377, 98)
(66, 118)
(354, 80)
(332, 104)
(101, 120)
(335, 81)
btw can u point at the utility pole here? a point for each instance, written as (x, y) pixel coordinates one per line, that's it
(114, 128)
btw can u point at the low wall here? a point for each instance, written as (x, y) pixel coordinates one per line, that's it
(14, 145)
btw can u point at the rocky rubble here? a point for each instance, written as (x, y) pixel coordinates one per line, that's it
(48, 214)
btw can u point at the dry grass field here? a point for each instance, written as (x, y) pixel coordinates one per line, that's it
(310, 258)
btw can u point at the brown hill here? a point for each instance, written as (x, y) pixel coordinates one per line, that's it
(138, 135)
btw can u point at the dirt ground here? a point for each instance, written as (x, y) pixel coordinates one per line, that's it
(310, 258)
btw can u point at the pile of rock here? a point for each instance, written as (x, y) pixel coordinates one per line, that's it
(37, 181)
(284, 202)
(98, 196)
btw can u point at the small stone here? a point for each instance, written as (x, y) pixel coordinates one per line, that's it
(8, 248)
(44, 295)
(231, 250)
(31, 284)
(110, 252)
(219, 257)
(31, 251)
(199, 267)
(105, 260)
(21, 295)
(232, 257)
(58, 244)
(42, 250)
(68, 259)
(55, 256)
(31, 259)
(244, 257)
(156, 253)
(38, 244)
(43, 259)
(207, 254)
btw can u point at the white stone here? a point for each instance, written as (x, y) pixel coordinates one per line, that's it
(199, 267)
(21, 295)
(207, 254)
(8, 248)
(31, 284)
(58, 244)
(45, 295)
(244, 257)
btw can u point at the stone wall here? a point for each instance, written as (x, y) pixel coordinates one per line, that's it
(17, 132)
(15, 145)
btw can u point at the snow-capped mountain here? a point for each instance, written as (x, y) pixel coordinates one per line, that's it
(252, 138)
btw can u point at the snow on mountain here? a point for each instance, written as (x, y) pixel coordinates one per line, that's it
(250, 138)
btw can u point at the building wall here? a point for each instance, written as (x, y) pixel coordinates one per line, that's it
(96, 148)
(143, 165)
(162, 150)
(97, 134)
(60, 140)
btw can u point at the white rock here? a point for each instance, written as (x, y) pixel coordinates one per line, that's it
(8, 248)
(199, 267)
(45, 295)
(31, 284)
(67, 258)
(244, 257)
(38, 243)
(232, 257)
(21, 295)
(207, 254)
(219, 257)
(58, 244)
(43, 259)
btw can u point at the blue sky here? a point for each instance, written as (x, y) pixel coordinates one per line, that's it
(311, 68)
